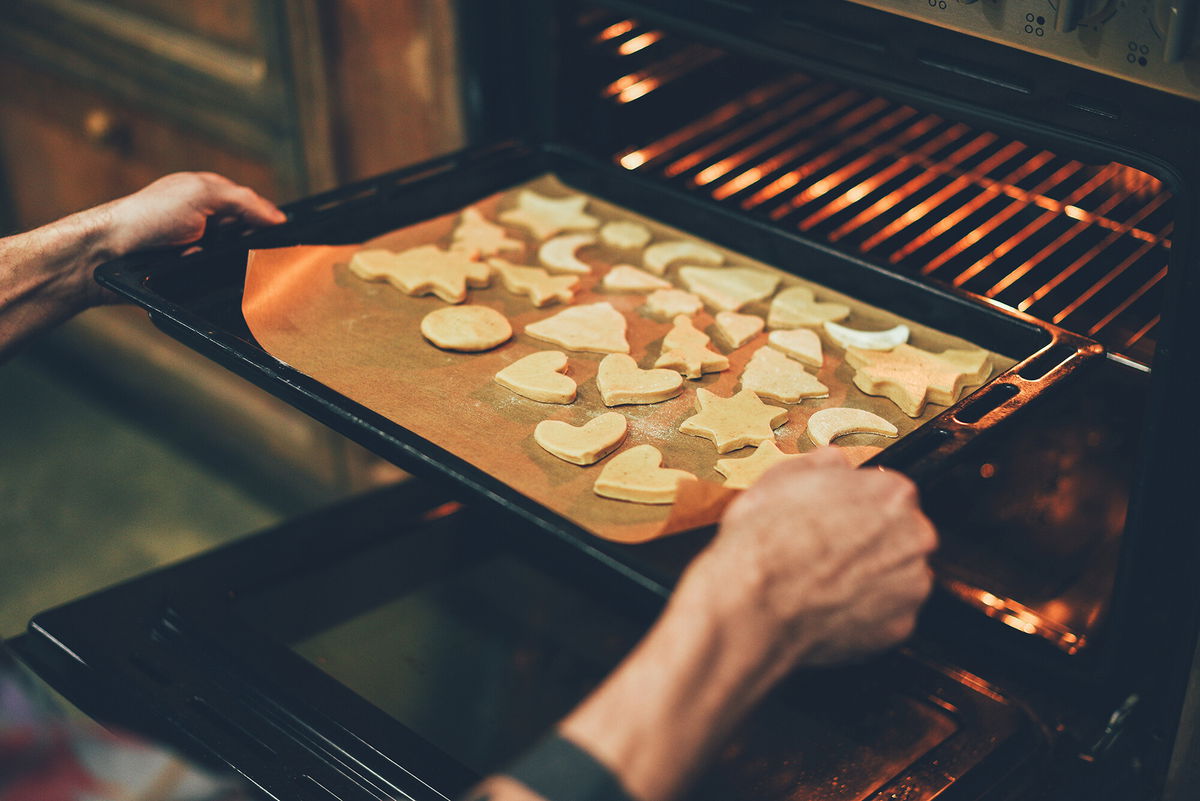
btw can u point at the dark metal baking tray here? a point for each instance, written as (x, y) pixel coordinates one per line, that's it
(196, 297)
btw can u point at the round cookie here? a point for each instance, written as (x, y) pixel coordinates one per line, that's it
(466, 328)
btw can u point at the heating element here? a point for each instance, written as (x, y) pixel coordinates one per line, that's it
(1084, 246)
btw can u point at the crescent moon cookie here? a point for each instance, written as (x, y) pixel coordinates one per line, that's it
(659, 256)
(797, 306)
(547, 216)
(802, 344)
(741, 473)
(867, 340)
(621, 382)
(559, 253)
(671, 303)
(593, 327)
(829, 424)
(728, 288)
(625, 235)
(539, 286)
(637, 475)
(423, 270)
(738, 329)
(733, 422)
(910, 377)
(624, 278)
(685, 350)
(772, 375)
(539, 376)
(466, 328)
(475, 234)
(585, 444)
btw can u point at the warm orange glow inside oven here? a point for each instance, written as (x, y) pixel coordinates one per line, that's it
(1051, 621)
(616, 29)
(1020, 227)
(640, 42)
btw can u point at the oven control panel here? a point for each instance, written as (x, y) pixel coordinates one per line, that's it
(1152, 42)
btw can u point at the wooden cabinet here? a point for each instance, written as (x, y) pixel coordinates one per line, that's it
(100, 97)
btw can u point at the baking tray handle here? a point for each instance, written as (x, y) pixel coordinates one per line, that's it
(926, 452)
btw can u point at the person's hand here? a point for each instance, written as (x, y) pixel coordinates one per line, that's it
(175, 209)
(172, 211)
(826, 563)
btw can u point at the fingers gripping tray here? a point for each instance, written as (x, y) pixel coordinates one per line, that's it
(348, 351)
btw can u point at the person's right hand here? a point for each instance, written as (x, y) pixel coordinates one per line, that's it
(827, 563)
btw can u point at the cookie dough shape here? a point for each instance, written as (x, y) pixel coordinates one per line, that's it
(802, 344)
(637, 475)
(738, 329)
(910, 377)
(539, 376)
(547, 216)
(475, 234)
(466, 328)
(659, 256)
(625, 235)
(423, 270)
(797, 306)
(594, 327)
(672, 302)
(772, 375)
(624, 278)
(741, 473)
(867, 340)
(685, 350)
(828, 424)
(728, 288)
(539, 286)
(585, 444)
(733, 422)
(559, 253)
(621, 382)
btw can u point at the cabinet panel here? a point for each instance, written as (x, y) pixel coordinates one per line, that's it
(64, 148)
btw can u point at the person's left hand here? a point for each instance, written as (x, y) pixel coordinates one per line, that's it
(172, 211)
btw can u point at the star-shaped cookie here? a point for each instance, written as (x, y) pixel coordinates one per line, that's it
(734, 422)
(423, 270)
(685, 349)
(741, 473)
(546, 216)
(539, 286)
(475, 234)
(911, 377)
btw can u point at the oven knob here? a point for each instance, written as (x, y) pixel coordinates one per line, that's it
(1175, 22)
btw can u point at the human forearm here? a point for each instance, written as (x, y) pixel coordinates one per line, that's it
(664, 712)
(46, 274)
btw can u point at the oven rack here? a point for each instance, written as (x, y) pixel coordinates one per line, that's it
(1080, 245)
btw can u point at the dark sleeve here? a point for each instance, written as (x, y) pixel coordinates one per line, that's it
(558, 770)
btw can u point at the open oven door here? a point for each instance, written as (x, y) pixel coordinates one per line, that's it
(403, 645)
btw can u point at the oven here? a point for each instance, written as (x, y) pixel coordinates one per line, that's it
(1024, 173)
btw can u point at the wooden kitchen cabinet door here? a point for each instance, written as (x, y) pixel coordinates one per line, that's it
(65, 147)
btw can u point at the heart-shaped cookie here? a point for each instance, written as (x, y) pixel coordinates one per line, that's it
(621, 381)
(585, 444)
(637, 475)
(802, 344)
(539, 376)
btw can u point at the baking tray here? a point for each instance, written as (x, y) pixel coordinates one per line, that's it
(197, 299)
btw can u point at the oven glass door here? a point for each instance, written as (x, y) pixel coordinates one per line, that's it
(404, 646)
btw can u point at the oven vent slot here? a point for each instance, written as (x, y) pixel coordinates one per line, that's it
(1081, 245)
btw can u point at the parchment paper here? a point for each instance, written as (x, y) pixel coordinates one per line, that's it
(362, 339)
